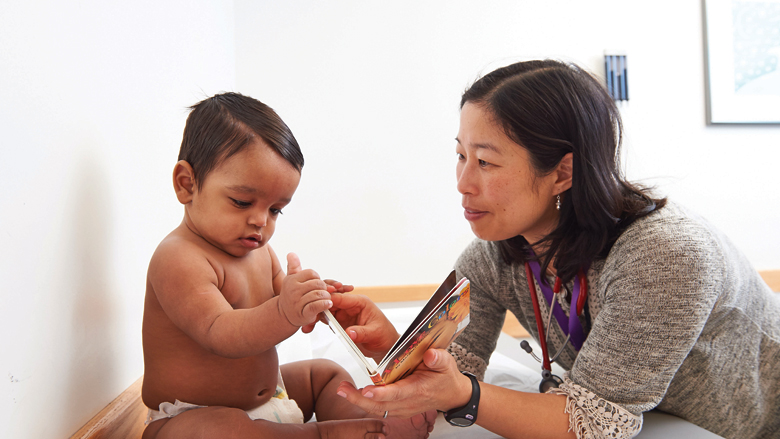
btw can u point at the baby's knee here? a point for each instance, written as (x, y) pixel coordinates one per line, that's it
(327, 367)
(325, 364)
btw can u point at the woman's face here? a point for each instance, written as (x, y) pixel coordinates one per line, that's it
(502, 195)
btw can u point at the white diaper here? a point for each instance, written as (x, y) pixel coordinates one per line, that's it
(280, 408)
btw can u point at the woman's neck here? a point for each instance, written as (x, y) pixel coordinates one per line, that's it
(541, 248)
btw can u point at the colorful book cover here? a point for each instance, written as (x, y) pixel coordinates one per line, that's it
(441, 320)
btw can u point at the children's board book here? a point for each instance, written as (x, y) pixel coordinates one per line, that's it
(441, 320)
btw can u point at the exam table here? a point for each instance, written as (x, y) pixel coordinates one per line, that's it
(509, 367)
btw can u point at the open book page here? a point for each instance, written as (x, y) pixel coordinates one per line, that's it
(369, 365)
(441, 320)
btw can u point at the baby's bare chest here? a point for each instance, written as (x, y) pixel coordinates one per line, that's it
(247, 284)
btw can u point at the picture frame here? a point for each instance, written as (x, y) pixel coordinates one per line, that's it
(742, 57)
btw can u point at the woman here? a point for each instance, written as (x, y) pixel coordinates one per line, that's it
(675, 318)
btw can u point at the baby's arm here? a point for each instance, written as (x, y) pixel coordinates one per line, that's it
(186, 286)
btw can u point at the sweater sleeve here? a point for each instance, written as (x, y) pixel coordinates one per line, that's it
(474, 346)
(659, 285)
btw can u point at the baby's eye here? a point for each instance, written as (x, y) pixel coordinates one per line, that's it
(276, 212)
(240, 204)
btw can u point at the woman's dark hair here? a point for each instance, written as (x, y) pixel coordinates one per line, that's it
(551, 109)
(225, 124)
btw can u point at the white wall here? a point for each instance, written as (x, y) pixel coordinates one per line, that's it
(93, 98)
(371, 90)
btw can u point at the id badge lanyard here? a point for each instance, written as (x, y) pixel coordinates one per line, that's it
(570, 325)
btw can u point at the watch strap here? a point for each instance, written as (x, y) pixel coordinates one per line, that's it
(467, 415)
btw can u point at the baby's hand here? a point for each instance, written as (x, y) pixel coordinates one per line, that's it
(304, 295)
(335, 286)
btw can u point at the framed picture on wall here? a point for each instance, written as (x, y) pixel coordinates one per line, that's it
(742, 56)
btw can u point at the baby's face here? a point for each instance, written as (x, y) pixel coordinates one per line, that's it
(238, 204)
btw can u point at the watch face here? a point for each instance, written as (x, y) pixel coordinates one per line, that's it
(465, 421)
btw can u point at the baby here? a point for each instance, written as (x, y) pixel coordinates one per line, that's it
(218, 302)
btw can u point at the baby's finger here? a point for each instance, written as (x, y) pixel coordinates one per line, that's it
(312, 309)
(336, 284)
(314, 295)
(293, 263)
(301, 275)
(314, 284)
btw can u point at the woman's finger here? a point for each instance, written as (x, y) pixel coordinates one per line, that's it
(353, 395)
(349, 301)
(398, 391)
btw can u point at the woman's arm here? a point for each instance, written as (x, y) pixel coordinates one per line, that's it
(438, 384)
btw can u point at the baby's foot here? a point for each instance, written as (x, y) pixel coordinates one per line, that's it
(352, 429)
(417, 427)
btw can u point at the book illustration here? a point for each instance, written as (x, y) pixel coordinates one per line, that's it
(440, 321)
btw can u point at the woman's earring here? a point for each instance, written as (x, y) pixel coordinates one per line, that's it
(558, 203)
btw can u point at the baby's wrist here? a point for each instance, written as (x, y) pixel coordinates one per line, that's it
(282, 314)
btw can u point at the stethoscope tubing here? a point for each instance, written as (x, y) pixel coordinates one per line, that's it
(578, 308)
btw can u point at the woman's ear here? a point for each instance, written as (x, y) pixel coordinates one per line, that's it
(183, 181)
(563, 174)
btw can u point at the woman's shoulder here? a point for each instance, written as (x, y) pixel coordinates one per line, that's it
(670, 235)
(671, 226)
(481, 260)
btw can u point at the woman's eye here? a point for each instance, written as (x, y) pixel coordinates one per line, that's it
(460, 156)
(241, 204)
(483, 163)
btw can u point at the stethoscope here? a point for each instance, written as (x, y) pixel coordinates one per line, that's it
(548, 379)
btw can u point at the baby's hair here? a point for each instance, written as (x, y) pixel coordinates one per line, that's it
(225, 124)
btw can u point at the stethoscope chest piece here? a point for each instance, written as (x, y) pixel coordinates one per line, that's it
(549, 381)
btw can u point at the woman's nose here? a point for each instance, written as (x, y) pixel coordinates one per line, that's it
(465, 179)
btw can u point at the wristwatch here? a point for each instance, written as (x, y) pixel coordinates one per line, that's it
(466, 416)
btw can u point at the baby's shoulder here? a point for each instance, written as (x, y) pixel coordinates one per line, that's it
(178, 255)
(176, 246)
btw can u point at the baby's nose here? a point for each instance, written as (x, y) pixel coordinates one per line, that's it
(258, 219)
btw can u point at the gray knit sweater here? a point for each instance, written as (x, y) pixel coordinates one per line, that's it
(677, 320)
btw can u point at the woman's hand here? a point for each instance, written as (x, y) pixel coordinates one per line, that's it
(365, 324)
(435, 384)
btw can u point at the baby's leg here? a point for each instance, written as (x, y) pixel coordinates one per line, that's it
(229, 423)
(313, 385)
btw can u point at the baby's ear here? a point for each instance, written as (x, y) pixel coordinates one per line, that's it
(183, 181)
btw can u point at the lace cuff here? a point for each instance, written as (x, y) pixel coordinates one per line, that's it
(592, 417)
(467, 361)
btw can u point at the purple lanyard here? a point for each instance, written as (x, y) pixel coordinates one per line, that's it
(571, 325)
